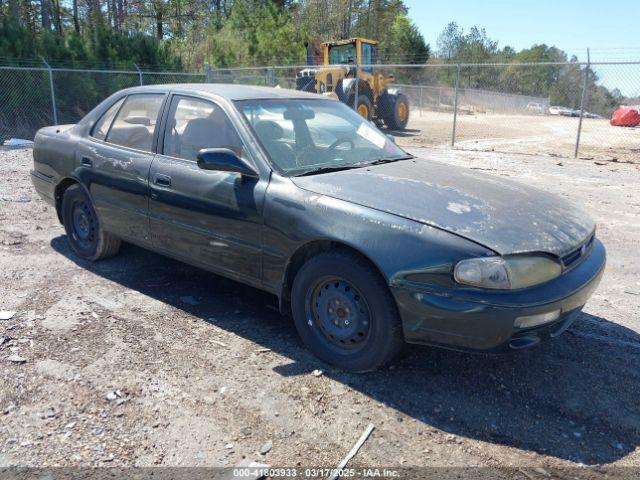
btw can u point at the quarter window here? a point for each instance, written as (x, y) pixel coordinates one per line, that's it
(194, 124)
(101, 128)
(135, 123)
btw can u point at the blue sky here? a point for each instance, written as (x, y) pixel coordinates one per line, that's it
(611, 29)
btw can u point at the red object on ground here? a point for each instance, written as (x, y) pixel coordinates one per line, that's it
(626, 116)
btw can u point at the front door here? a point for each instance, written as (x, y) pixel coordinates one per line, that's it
(115, 161)
(208, 218)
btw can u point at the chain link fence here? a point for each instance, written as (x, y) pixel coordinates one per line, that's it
(25, 102)
(34, 97)
(558, 109)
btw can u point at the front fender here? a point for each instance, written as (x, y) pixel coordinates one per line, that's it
(294, 217)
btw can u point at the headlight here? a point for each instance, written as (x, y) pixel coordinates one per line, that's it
(506, 272)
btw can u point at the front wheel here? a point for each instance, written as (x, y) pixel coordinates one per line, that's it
(344, 312)
(364, 107)
(84, 233)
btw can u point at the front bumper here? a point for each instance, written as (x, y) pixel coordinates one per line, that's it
(477, 319)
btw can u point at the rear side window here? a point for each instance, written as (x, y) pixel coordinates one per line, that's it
(136, 121)
(101, 128)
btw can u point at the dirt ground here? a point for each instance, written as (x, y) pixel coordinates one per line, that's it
(142, 361)
(530, 134)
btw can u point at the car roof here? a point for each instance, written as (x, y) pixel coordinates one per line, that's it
(226, 90)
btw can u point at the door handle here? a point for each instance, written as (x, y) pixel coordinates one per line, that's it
(162, 180)
(86, 162)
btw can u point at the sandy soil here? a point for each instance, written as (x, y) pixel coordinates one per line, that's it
(530, 134)
(143, 361)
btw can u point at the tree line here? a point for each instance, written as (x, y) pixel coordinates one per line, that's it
(170, 35)
(190, 33)
(187, 34)
(561, 80)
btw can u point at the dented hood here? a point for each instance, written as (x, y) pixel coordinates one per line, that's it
(500, 214)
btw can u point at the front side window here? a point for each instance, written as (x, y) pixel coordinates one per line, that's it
(136, 121)
(101, 128)
(194, 124)
(301, 136)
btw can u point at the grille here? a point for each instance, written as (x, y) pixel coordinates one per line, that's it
(573, 258)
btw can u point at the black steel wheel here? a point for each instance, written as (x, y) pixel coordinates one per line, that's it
(340, 311)
(345, 313)
(84, 223)
(81, 223)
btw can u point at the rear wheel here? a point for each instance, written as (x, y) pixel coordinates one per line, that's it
(84, 233)
(394, 110)
(344, 312)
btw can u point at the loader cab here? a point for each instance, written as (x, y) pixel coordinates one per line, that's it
(366, 89)
(355, 51)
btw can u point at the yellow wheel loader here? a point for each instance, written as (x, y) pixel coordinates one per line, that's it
(343, 75)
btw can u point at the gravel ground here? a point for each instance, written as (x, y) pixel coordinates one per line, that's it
(530, 134)
(142, 361)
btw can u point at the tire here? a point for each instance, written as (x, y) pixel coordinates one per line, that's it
(364, 107)
(394, 110)
(84, 233)
(366, 339)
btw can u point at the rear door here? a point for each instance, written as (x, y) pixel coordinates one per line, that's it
(115, 160)
(208, 218)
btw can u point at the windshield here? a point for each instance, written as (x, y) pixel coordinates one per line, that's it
(306, 135)
(342, 54)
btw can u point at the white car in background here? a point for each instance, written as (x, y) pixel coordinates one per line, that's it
(555, 110)
(534, 107)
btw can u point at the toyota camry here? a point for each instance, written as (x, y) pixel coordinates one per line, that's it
(365, 245)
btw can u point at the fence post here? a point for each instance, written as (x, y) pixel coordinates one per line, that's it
(421, 88)
(582, 100)
(355, 97)
(455, 107)
(271, 74)
(53, 93)
(139, 73)
(207, 73)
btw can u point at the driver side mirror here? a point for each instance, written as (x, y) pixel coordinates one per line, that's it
(224, 160)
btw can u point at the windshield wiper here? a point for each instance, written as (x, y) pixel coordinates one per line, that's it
(330, 168)
(337, 168)
(380, 161)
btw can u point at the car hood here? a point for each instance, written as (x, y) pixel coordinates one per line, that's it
(500, 214)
